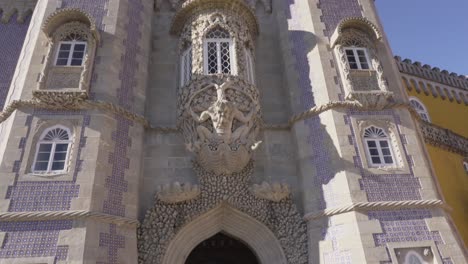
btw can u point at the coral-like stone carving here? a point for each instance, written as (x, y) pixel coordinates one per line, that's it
(372, 99)
(219, 116)
(273, 192)
(177, 193)
(164, 221)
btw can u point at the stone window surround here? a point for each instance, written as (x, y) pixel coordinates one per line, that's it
(40, 124)
(360, 33)
(56, 28)
(420, 111)
(194, 32)
(51, 160)
(379, 148)
(408, 246)
(400, 166)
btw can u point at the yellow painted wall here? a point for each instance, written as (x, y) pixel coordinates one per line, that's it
(451, 175)
(450, 115)
(453, 181)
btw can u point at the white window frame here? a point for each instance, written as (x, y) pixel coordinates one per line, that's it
(52, 151)
(183, 58)
(421, 112)
(73, 43)
(465, 166)
(356, 57)
(218, 42)
(249, 67)
(377, 140)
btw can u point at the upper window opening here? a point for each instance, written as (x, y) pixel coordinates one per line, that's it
(186, 67)
(71, 51)
(357, 58)
(378, 146)
(218, 52)
(249, 67)
(420, 109)
(52, 151)
(414, 258)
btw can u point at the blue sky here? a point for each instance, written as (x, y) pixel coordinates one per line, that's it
(434, 32)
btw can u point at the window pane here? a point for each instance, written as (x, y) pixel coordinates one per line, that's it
(61, 62)
(383, 143)
(350, 53)
(80, 47)
(43, 156)
(376, 160)
(212, 58)
(78, 55)
(374, 152)
(63, 54)
(361, 53)
(76, 62)
(58, 166)
(40, 166)
(65, 47)
(371, 144)
(388, 160)
(61, 147)
(225, 58)
(60, 156)
(364, 66)
(386, 151)
(45, 147)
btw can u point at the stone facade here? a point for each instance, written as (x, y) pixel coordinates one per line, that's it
(262, 137)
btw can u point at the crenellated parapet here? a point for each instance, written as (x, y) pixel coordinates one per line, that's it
(432, 73)
(23, 8)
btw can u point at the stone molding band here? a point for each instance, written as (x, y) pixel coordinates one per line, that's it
(433, 134)
(67, 215)
(377, 206)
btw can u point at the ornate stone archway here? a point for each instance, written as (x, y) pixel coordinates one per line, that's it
(226, 219)
(264, 217)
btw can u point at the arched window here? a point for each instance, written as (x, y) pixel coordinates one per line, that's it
(414, 258)
(71, 50)
(378, 148)
(218, 52)
(420, 109)
(186, 67)
(52, 151)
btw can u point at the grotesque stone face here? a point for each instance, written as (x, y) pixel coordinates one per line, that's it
(220, 121)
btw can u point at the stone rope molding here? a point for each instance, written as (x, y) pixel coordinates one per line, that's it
(433, 134)
(67, 215)
(377, 206)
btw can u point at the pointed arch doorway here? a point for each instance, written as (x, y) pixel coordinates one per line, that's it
(224, 219)
(222, 249)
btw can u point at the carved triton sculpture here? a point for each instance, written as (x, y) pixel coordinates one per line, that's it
(220, 122)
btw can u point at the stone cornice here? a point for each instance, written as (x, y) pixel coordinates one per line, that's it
(434, 135)
(23, 8)
(432, 73)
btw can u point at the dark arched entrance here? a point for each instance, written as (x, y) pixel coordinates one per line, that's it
(222, 249)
